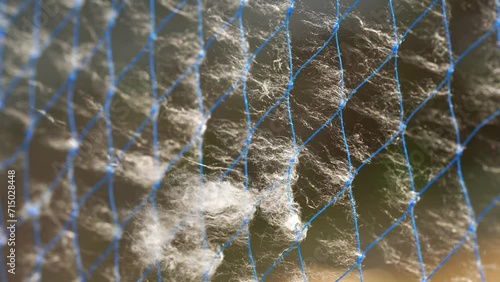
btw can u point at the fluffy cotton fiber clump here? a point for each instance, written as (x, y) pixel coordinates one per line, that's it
(185, 229)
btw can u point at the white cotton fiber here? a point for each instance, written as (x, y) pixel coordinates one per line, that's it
(221, 152)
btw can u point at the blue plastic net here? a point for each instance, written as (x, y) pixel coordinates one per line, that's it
(24, 75)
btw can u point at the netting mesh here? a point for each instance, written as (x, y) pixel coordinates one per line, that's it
(219, 140)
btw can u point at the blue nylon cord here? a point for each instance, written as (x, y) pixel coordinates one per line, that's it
(432, 94)
(287, 92)
(403, 140)
(434, 179)
(52, 243)
(20, 149)
(74, 134)
(20, 8)
(294, 139)
(245, 221)
(346, 147)
(140, 205)
(460, 148)
(26, 67)
(3, 33)
(110, 167)
(199, 94)
(75, 15)
(90, 124)
(94, 119)
(399, 220)
(378, 150)
(33, 62)
(233, 164)
(498, 22)
(156, 107)
(247, 140)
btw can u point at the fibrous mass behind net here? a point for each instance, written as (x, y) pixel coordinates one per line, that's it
(278, 190)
